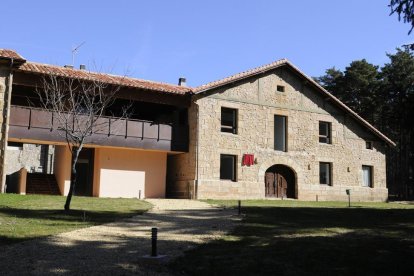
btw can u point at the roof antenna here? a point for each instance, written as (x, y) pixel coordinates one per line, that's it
(75, 51)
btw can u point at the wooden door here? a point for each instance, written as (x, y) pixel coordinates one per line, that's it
(281, 185)
(270, 185)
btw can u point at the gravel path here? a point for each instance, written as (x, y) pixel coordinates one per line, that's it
(118, 248)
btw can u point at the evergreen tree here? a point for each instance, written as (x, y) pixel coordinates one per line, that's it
(385, 98)
(398, 113)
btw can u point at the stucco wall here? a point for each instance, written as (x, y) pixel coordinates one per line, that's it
(257, 102)
(62, 168)
(123, 173)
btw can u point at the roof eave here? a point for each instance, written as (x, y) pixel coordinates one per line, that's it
(113, 81)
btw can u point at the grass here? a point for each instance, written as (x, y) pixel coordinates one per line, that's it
(309, 238)
(25, 217)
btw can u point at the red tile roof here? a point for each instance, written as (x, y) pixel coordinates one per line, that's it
(10, 54)
(240, 76)
(46, 69)
(38, 68)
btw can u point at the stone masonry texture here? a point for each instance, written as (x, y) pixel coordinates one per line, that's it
(4, 75)
(258, 101)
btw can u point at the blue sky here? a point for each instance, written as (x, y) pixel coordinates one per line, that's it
(201, 40)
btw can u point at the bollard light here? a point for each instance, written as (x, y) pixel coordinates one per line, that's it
(348, 192)
(154, 232)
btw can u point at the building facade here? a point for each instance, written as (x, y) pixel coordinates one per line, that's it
(270, 132)
(124, 157)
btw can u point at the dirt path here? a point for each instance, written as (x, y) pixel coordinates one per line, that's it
(118, 248)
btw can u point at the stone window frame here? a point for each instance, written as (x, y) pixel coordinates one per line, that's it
(371, 176)
(330, 166)
(227, 128)
(328, 137)
(234, 167)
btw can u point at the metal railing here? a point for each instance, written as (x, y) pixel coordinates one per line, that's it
(44, 125)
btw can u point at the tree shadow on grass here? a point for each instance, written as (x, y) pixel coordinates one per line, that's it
(24, 224)
(116, 248)
(310, 241)
(71, 215)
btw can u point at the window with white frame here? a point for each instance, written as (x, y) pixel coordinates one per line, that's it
(325, 173)
(366, 176)
(325, 132)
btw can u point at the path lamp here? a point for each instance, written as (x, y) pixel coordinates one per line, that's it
(348, 192)
(154, 233)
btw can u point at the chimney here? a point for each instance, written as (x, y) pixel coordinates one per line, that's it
(68, 66)
(182, 82)
(82, 67)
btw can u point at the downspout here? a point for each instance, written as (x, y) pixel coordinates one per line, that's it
(6, 129)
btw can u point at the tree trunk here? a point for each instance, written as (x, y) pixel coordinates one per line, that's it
(75, 155)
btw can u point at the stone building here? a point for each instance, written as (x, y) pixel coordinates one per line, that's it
(274, 132)
(270, 132)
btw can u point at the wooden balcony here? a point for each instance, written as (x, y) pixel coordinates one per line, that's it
(37, 124)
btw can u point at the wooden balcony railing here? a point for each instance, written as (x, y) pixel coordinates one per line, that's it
(41, 125)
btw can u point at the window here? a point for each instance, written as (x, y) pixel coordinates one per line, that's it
(325, 173)
(280, 88)
(366, 176)
(228, 167)
(280, 133)
(14, 146)
(325, 132)
(229, 120)
(368, 145)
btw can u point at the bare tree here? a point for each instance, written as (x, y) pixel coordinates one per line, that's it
(78, 107)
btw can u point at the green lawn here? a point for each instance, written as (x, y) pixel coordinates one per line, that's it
(314, 238)
(30, 216)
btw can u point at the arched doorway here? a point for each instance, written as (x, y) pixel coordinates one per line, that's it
(280, 182)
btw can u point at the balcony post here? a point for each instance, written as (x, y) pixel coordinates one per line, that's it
(109, 127)
(126, 128)
(51, 125)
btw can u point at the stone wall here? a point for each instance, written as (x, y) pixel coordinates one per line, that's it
(5, 77)
(258, 101)
(35, 158)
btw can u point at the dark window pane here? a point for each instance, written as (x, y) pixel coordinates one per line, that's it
(368, 144)
(280, 133)
(280, 88)
(228, 167)
(323, 140)
(325, 173)
(15, 144)
(229, 120)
